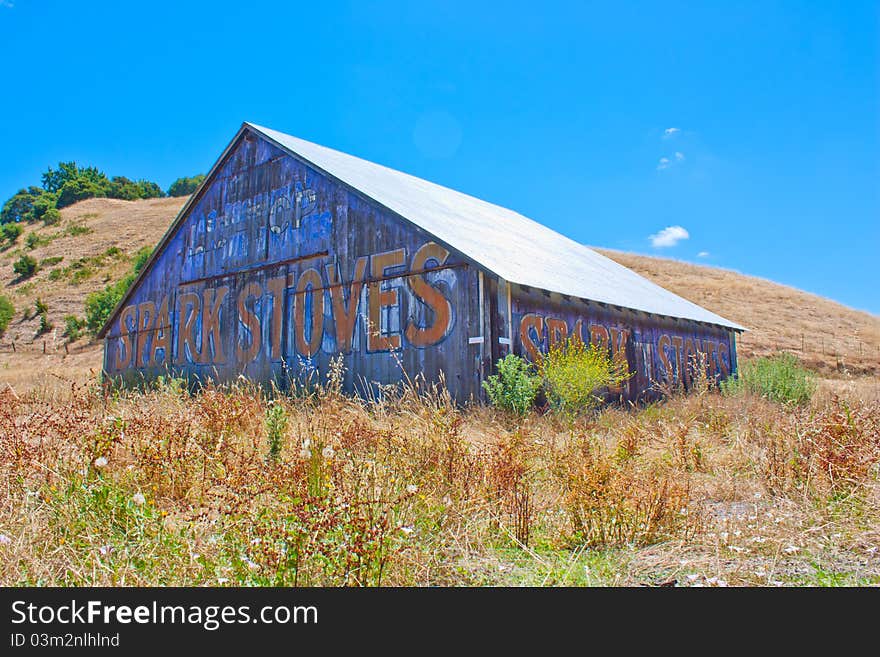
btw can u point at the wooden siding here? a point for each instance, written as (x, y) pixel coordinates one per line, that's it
(658, 350)
(277, 268)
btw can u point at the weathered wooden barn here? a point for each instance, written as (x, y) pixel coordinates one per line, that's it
(290, 253)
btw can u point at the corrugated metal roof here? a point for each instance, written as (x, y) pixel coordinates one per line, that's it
(505, 242)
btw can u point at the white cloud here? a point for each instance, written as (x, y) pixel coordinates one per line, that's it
(671, 132)
(669, 236)
(679, 156)
(703, 254)
(663, 164)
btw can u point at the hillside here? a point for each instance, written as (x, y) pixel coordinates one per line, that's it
(96, 239)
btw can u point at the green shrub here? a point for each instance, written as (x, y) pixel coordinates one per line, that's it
(73, 327)
(81, 274)
(100, 304)
(33, 241)
(50, 262)
(276, 425)
(77, 229)
(515, 387)
(25, 266)
(11, 232)
(140, 259)
(56, 274)
(573, 372)
(7, 311)
(42, 311)
(778, 378)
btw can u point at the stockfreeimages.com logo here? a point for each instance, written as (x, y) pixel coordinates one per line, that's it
(210, 617)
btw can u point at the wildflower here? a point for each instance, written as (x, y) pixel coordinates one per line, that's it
(328, 452)
(407, 529)
(100, 462)
(306, 451)
(5, 540)
(222, 580)
(250, 563)
(138, 498)
(104, 550)
(693, 577)
(791, 549)
(411, 489)
(736, 548)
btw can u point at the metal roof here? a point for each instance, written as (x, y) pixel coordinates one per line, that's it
(505, 242)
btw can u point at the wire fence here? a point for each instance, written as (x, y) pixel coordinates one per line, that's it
(842, 348)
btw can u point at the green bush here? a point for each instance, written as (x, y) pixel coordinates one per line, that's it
(778, 378)
(7, 311)
(100, 304)
(276, 426)
(573, 372)
(11, 232)
(515, 387)
(42, 311)
(73, 327)
(25, 266)
(185, 186)
(33, 241)
(141, 258)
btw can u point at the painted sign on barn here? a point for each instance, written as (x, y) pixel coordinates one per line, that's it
(276, 266)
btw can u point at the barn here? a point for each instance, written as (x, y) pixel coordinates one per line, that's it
(290, 254)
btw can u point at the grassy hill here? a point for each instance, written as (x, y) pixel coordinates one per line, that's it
(97, 238)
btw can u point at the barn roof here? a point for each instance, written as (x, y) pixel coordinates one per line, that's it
(505, 242)
(502, 241)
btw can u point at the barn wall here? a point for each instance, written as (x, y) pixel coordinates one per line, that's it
(277, 268)
(657, 349)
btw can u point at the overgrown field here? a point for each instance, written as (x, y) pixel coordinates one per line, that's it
(234, 487)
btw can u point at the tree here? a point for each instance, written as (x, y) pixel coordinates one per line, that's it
(185, 186)
(20, 206)
(42, 204)
(54, 181)
(79, 189)
(149, 189)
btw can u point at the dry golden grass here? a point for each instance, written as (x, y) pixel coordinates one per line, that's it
(824, 334)
(166, 488)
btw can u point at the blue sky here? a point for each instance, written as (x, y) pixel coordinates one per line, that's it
(754, 131)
